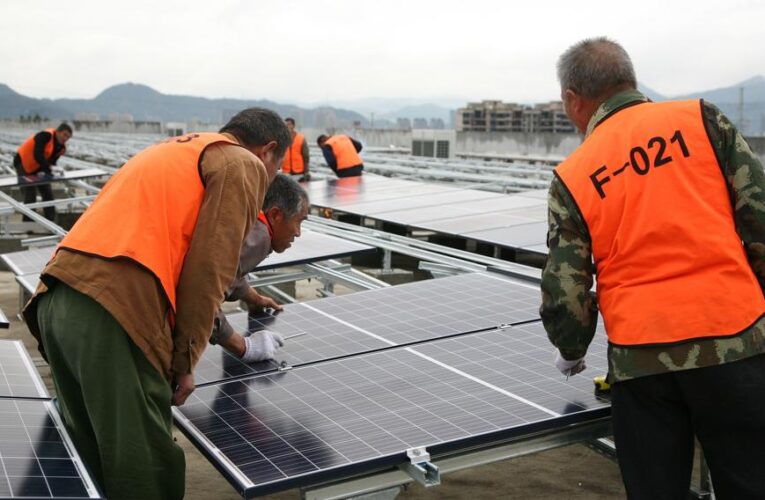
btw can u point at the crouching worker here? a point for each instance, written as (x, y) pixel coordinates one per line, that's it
(284, 209)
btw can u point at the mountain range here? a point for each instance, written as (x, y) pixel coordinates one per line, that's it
(143, 103)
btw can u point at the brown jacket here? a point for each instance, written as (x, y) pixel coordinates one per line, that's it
(235, 184)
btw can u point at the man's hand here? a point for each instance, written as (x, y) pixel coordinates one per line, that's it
(255, 300)
(569, 367)
(183, 389)
(261, 346)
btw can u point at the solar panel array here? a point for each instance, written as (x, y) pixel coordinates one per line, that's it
(438, 380)
(37, 457)
(516, 221)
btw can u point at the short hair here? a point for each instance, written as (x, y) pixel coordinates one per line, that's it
(290, 120)
(257, 127)
(322, 138)
(285, 193)
(65, 127)
(595, 66)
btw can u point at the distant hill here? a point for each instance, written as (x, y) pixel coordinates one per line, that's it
(729, 100)
(146, 104)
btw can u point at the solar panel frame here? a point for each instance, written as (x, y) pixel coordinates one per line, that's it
(28, 282)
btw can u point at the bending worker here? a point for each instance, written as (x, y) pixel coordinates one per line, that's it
(297, 157)
(661, 197)
(36, 156)
(125, 307)
(341, 153)
(285, 207)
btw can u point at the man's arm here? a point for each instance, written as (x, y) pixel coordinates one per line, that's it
(329, 157)
(235, 185)
(41, 140)
(569, 309)
(746, 184)
(357, 145)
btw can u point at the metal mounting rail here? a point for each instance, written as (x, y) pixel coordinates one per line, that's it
(460, 259)
(20, 207)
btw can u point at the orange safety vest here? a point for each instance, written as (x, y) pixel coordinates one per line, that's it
(148, 210)
(293, 159)
(27, 152)
(670, 265)
(344, 151)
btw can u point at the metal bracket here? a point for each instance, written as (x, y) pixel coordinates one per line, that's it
(420, 468)
(284, 366)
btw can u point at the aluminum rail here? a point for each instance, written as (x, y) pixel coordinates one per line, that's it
(20, 207)
(52, 203)
(423, 250)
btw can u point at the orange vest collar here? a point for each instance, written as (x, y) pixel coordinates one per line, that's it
(262, 218)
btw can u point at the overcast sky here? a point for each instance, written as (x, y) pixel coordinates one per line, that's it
(322, 50)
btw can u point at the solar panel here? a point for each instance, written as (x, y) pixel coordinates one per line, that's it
(377, 319)
(4, 323)
(343, 417)
(35, 180)
(28, 261)
(518, 236)
(311, 247)
(418, 197)
(38, 458)
(18, 376)
(476, 222)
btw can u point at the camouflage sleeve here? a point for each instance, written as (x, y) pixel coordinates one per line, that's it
(569, 309)
(746, 184)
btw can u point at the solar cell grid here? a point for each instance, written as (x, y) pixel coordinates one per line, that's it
(18, 377)
(417, 198)
(37, 460)
(476, 222)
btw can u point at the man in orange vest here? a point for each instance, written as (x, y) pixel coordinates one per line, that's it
(125, 307)
(297, 157)
(285, 207)
(36, 156)
(665, 202)
(341, 153)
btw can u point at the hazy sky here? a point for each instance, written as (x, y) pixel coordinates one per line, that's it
(320, 50)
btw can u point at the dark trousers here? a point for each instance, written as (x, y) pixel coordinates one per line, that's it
(349, 172)
(115, 404)
(30, 196)
(656, 418)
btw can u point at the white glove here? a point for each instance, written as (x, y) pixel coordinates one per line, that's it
(261, 346)
(569, 367)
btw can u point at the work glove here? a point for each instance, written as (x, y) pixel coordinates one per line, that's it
(261, 346)
(569, 367)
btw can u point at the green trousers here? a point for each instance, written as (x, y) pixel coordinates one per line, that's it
(115, 404)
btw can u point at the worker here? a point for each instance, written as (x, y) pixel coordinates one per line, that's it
(341, 153)
(285, 207)
(125, 307)
(657, 202)
(35, 157)
(297, 158)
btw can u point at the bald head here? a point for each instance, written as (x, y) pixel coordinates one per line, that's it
(596, 68)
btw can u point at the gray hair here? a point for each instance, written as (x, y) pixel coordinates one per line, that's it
(287, 194)
(595, 66)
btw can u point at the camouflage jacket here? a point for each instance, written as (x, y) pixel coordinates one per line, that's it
(569, 307)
